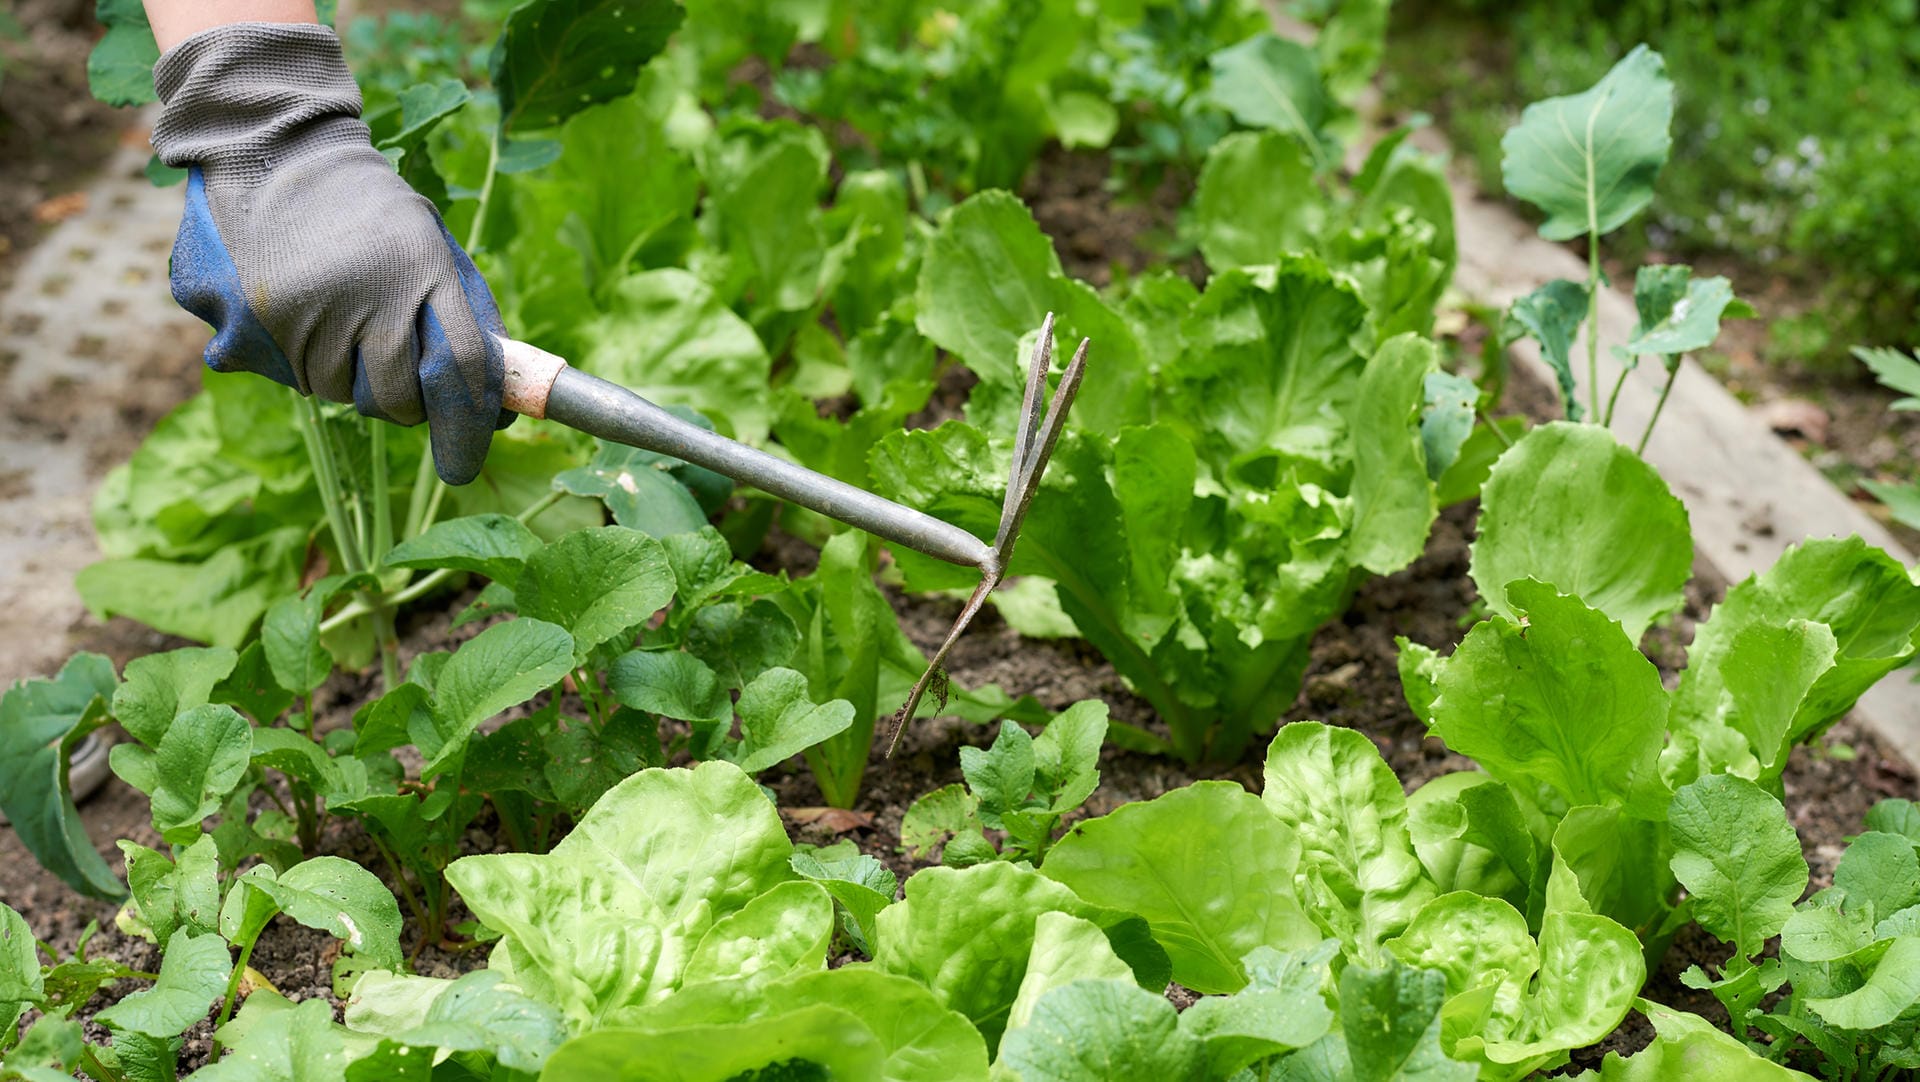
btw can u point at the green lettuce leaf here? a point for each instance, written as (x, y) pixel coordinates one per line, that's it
(1343, 803)
(1515, 1004)
(1688, 1046)
(670, 337)
(968, 935)
(1393, 496)
(1572, 507)
(1391, 1025)
(1561, 700)
(1271, 372)
(1257, 197)
(988, 278)
(610, 917)
(1864, 597)
(920, 1040)
(1162, 860)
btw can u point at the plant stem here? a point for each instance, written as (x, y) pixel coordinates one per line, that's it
(358, 607)
(1505, 441)
(382, 496)
(400, 880)
(326, 478)
(917, 182)
(1672, 374)
(233, 987)
(306, 818)
(1593, 303)
(1613, 398)
(486, 194)
(433, 503)
(424, 481)
(380, 493)
(90, 1063)
(589, 692)
(353, 496)
(389, 641)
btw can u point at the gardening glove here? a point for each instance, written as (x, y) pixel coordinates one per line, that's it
(315, 263)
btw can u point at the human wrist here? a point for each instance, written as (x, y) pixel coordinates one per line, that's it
(174, 21)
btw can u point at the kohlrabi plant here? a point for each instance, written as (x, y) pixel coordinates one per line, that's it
(1588, 162)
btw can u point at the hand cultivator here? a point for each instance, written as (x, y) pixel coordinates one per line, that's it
(539, 384)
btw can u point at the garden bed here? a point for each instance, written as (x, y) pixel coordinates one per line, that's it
(1351, 682)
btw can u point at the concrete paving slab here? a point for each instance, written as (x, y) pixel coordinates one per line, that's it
(93, 352)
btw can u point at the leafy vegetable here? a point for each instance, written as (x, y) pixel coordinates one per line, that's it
(591, 944)
(1569, 506)
(1157, 859)
(1021, 785)
(557, 55)
(1589, 160)
(41, 721)
(969, 934)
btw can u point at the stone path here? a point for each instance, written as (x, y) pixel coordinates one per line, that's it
(93, 352)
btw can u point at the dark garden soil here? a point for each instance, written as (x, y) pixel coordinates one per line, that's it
(1351, 681)
(1102, 228)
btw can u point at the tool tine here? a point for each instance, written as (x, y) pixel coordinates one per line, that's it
(1030, 409)
(968, 611)
(1033, 447)
(1027, 482)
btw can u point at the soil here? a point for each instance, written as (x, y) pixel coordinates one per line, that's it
(1102, 229)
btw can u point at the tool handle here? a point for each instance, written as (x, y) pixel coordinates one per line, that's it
(530, 374)
(539, 384)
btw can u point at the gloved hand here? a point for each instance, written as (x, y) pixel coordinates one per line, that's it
(315, 263)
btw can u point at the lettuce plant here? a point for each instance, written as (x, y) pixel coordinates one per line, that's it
(1250, 475)
(1327, 853)
(677, 934)
(1581, 547)
(1687, 1046)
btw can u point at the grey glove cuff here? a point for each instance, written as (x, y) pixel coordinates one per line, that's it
(243, 99)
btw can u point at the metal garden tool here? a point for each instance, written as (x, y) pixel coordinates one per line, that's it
(539, 384)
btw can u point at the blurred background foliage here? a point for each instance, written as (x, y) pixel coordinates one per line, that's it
(1796, 137)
